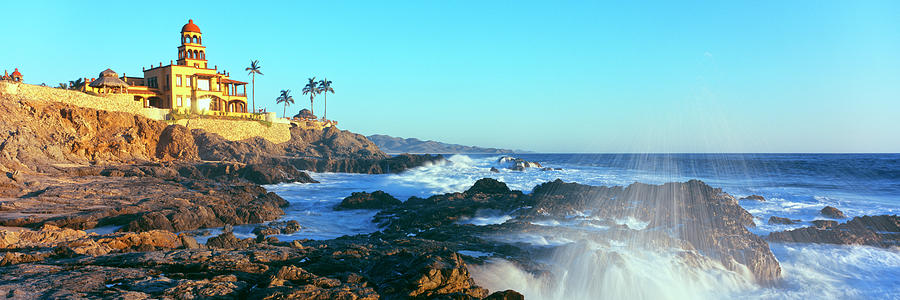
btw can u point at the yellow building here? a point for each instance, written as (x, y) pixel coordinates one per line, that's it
(188, 85)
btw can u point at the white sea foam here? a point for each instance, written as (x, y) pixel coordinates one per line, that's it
(617, 269)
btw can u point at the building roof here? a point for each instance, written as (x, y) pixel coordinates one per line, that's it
(190, 27)
(15, 73)
(109, 73)
(226, 80)
(108, 78)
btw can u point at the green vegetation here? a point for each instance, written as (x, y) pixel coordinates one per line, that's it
(252, 70)
(287, 99)
(312, 88)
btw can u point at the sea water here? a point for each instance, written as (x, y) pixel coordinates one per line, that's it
(795, 186)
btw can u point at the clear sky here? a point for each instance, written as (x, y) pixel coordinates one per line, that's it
(547, 76)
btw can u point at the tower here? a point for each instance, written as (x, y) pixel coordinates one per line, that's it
(191, 52)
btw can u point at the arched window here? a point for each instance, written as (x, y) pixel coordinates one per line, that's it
(202, 55)
(199, 40)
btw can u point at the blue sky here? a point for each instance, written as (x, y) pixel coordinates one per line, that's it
(717, 76)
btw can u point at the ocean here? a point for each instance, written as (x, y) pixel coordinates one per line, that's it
(795, 186)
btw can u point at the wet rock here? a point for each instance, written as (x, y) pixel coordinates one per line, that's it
(780, 220)
(505, 295)
(488, 186)
(227, 240)
(831, 212)
(495, 170)
(279, 227)
(824, 224)
(754, 198)
(362, 200)
(517, 164)
(879, 231)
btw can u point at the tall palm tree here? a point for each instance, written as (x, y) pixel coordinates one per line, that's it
(325, 87)
(252, 70)
(311, 88)
(285, 98)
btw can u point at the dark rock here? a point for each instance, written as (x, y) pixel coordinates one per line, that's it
(227, 240)
(488, 186)
(879, 231)
(505, 295)
(517, 164)
(279, 227)
(493, 169)
(780, 220)
(824, 224)
(362, 200)
(832, 212)
(189, 242)
(754, 198)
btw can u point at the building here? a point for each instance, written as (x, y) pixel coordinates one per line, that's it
(15, 76)
(188, 85)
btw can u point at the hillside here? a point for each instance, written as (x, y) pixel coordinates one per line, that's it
(391, 144)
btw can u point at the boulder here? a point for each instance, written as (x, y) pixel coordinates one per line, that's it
(278, 227)
(780, 220)
(227, 240)
(488, 186)
(177, 143)
(754, 198)
(879, 231)
(505, 295)
(831, 212)
(362, 200)
(495, 170)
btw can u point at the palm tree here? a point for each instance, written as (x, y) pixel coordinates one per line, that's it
(325, 87)
(285, 98)
(63, 85)
(311, 88)
(252, 70)
(74, 84)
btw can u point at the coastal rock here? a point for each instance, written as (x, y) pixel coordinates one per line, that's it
(362, 200)
(780, 220)
(831, 212)
(505, 295)
(227, 240)
(517, 164)
(754, 198)
(176, 143)
(278, 227)
(824, 224)
(495, 170)
(879, 231)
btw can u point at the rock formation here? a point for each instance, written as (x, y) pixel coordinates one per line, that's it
(879, 231)
(363, 200)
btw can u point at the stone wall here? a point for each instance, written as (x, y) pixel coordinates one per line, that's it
(234, 130)
(237, 130)
(110, 102)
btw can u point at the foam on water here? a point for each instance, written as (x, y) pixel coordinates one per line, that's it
(617, 269)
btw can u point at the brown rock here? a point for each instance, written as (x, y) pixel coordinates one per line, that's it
(754, 198)
(176, 143)
(832, 212)
(780, 220)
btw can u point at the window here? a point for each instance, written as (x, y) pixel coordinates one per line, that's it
(203, 84)
(188, 80)
(178, 81)
(179, 102)
(168, 81)
(152, 83)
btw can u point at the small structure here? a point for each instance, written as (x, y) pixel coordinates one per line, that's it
(109, 80)
(304, 115)
(15, 76)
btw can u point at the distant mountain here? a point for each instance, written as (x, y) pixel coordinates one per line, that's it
(391, 144)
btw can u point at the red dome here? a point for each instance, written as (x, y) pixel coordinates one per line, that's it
(190, 27)
(16, 73)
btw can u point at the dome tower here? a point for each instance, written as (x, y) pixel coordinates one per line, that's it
(191, 52)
